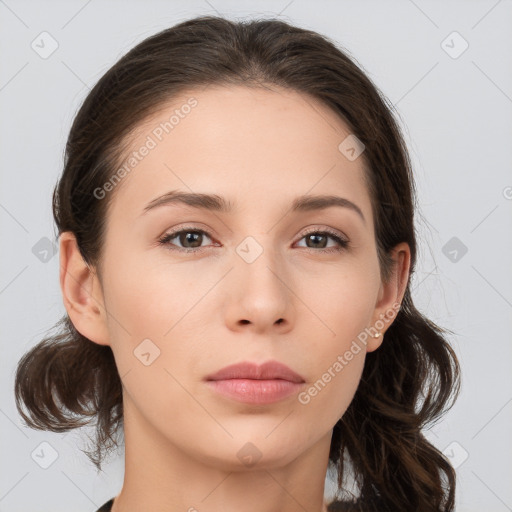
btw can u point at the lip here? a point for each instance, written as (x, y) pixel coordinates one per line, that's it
(256, 384)
(267, 371)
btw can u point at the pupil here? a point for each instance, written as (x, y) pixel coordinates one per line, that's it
(192, 237)
(316, 237)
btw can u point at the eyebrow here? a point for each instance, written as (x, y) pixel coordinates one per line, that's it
(219, 204)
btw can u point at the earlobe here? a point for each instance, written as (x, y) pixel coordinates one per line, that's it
(390, 296)
(81, 292)
(374, 340)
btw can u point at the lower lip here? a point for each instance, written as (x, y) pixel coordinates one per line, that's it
(253, 391)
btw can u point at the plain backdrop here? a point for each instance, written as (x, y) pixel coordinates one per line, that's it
(446, 67)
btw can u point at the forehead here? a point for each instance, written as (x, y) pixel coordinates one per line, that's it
(248, 144)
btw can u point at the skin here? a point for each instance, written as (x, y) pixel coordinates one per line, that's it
(260, 148)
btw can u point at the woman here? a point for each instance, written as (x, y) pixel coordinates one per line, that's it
(236, 221)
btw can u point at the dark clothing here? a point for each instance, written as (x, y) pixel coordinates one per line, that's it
(107, 507)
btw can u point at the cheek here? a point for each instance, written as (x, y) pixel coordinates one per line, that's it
(329, 394)
(156, 349)
(145, 297)
(144, 302)
(336, 360)
(342, 310)
(341, 304)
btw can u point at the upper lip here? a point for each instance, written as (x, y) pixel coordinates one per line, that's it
(248, 370)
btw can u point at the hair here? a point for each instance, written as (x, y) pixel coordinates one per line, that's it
(67, 381)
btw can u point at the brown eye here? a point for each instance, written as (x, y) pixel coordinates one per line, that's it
(317, 240)
(190, 239)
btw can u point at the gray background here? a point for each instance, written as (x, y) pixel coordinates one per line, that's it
(455, 108)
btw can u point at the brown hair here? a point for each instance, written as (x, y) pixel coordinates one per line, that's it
(67, 381)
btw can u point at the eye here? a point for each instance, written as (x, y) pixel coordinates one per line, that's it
(320, 237)
(191, 239)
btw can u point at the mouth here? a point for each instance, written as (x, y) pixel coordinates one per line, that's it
(256, 384)
(270, 370)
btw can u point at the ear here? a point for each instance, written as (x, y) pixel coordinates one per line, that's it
(390, 294)
(81, 292)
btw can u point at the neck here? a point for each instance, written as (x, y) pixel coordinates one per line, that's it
(162, 477)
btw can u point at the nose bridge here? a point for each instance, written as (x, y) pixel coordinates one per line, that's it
(262, 295)
(258, 260)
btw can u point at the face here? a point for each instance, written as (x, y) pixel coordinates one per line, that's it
(190, 290)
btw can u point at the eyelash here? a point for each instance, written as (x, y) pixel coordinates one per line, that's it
(165, 240)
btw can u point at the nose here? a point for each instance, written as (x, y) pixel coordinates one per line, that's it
(260, 291)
